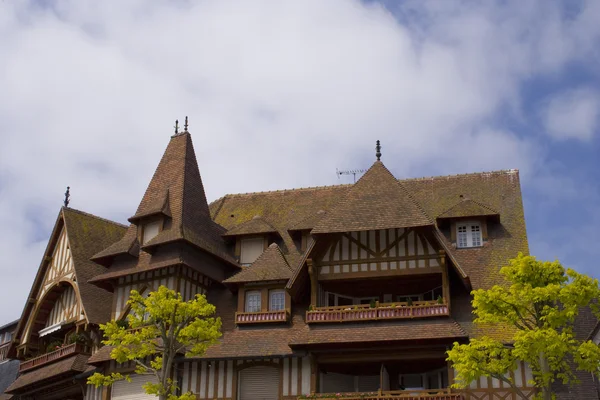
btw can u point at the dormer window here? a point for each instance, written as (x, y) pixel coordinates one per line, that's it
(276, 300)
(468, 234)
(251, 249)
(150, 231)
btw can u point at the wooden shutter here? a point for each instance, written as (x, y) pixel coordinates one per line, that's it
(368, 383)
(251, 249)
(123, 390)
(259, 383)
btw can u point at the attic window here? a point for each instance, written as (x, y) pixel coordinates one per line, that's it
(150, 231)
(251, 249)
(468, 234)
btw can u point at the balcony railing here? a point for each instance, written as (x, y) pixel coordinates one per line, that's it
(261, 317)
(364, 312)
(71, 349)
(428, 394)
(4, 351)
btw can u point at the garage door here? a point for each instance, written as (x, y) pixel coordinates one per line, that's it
(123, 390)
(259, 383)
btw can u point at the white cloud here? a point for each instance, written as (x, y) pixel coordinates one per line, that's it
(279, 94)
(573, 114)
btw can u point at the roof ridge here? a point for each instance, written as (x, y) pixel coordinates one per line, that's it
(95, 216)
(496, 172)
(281, 191)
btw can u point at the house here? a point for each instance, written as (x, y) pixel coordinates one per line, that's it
(341, 289)
(8, 368)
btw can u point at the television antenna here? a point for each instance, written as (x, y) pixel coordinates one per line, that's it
(352, 172)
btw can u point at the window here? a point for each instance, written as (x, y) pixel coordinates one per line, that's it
(276, 300)
(150, 230)
(253, 301)
(251, 249)
(468, 235)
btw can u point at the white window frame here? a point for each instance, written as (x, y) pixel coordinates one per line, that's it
(245, 260)
(470, 237)
(258, 304)
(274, 301)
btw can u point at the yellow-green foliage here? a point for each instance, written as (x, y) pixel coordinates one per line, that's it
(541, 301)
(161, 326)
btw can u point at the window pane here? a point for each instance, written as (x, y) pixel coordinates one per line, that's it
(475, 235)
(462, 236)
(253, 302)
(276, 300)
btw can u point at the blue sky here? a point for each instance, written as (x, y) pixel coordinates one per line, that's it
(280, 94)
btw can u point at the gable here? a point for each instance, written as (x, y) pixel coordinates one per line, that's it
(399, 249)
(60, 267)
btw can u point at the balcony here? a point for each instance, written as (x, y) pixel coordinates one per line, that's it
(384, 311)
(47, 358)
(261, 317)
(430, 394)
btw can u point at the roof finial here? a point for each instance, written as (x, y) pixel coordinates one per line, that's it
(378, 148)
(176, 126)
(67, 196)
(185, 126)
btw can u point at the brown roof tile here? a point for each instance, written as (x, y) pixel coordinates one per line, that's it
(468, 208)
(72, 365)
(376, 201)
(257, 225)
(309, 222)
(271, 265)
(426, 329)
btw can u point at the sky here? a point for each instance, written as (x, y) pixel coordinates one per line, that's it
(281, 93)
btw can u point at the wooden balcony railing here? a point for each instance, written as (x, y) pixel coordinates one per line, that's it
(4, 351)
(261, 317)
(428, 394)
(364, 312)
(71, 349)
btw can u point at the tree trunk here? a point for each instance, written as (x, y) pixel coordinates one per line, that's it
(545, 369)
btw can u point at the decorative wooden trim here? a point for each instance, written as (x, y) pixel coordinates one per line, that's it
(52, 356)
(313, 281)
(425, 394)
(380, 273)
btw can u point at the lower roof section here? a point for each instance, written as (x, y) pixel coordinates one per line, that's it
(378, 334)
(27, 381)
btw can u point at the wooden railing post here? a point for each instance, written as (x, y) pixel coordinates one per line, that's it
(312, 273)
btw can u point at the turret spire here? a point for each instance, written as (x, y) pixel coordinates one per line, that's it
(378, 149)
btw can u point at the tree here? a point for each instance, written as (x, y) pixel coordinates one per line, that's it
(160, 327)
(536, 309)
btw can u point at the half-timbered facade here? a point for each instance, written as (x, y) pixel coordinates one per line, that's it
(352, 291)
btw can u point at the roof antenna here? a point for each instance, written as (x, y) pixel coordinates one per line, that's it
(176, 126)
(67, 196)
(349, 172)
(185, 126)
(378, 149)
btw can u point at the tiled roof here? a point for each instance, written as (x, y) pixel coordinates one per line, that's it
(426, 329)
(376, 201)
(269, 266)
(176, 189)
(8, 373)
(309, 222)
(160, 205)
(468, 208)
(71, 365)
(257, 225)
(500, 191)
